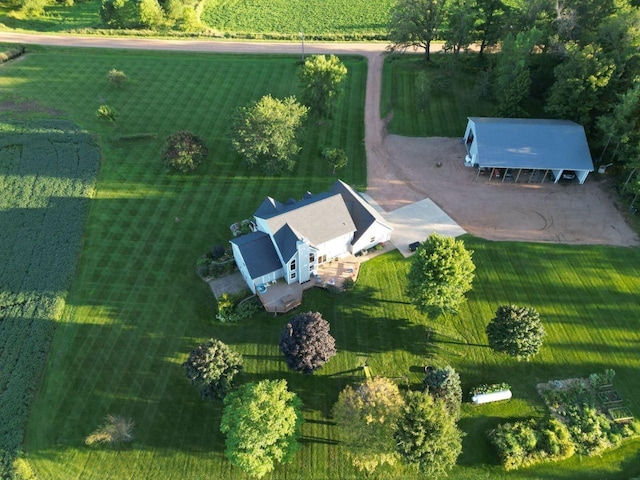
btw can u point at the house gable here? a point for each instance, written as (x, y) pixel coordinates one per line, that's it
(258, 254)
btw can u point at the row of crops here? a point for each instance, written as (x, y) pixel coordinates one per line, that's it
(47, 172)
(326, 19)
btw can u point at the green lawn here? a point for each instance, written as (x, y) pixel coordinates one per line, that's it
(136, 307)
(453, 95)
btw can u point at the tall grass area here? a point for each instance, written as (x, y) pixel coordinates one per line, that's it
(136, 306)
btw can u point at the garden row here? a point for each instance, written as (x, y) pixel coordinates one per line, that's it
(47, 173)
(580, 422)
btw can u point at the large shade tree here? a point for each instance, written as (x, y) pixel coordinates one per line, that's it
(212, 367)
(516, 331)
(322, 79)
(415, 23)
(265, 132)
(441, 273)
(367, 417)
(427, 435)
(306, 342)
(262, 422)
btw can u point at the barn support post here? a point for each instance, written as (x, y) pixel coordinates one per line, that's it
(491, 176)
(545, 176)
(531, 176)
(518, 176)
(478, 174)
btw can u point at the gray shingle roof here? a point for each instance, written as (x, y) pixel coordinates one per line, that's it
(258, 253)
(319, 218)
(361, 212)
(531, 143)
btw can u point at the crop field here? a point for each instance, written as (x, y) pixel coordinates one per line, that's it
(136, 306)
(319, 19)
(281, 19)
(47, 173)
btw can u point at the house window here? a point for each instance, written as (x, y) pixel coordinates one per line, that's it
(322, 258)
(373, 239)
(293, 275)
(312, 257)
(293, 265)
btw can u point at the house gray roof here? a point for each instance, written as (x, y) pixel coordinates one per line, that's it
(258, 253)
(531, 143)
(318, 218)
(363, 214)
(287, 240)
(268, 207)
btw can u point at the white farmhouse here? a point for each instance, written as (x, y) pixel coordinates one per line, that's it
(290, 240)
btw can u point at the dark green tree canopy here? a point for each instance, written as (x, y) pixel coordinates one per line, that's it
(322, 80)
(441, 273)
(516, 331)
(184, 151)
(444, 384)
(415, 23)
(427, 436)
(262, 422)
(265, 133)
(212, 367)
(306, 342)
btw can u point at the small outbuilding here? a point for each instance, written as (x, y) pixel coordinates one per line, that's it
(528, 150)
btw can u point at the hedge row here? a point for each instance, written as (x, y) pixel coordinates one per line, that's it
(47, 173)
(11, 53)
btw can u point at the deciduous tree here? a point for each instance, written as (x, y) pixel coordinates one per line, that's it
(336, 158)
(262, 422)
(579, 82)
(516, 331)
(513, 78)
(457, 30)
(367, 418)
(427, 436)
(441, 273)
(306, 342)
(184, 151)
(415, 23)
(322, 80)
(265, 132)
(212, 367)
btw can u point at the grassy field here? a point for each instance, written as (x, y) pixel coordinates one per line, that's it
(327, 19)
(136, 307)
(452, 95)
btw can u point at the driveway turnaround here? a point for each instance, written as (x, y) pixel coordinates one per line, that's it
(416, 221)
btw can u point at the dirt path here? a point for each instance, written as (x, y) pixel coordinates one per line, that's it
(403, 170)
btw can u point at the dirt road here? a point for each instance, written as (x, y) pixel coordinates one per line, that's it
(403, 170)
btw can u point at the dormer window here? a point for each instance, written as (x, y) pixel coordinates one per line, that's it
(293, 265)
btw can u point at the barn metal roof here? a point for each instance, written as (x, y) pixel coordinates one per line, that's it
(531, 143)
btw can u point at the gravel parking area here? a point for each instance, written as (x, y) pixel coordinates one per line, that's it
(563, 213)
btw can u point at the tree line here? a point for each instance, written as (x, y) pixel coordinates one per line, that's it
(580, 56)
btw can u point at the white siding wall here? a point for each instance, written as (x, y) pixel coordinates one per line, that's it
(337, 247)
(377, 232)
(242, 266)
